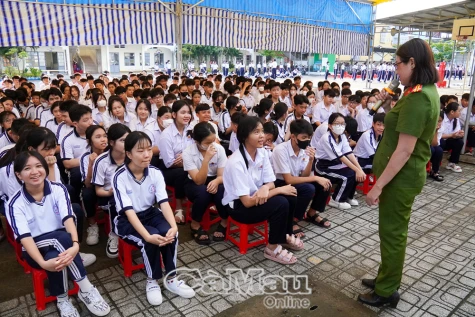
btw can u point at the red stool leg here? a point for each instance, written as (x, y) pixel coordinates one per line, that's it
(243, 239)
(39, 290)
(206, 221)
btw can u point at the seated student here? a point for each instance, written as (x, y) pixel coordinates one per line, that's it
(137, 187)
(74, 145)
(6, 120)
(292, 162)
(100, 110)
(66, 125)
(169, 99)
(203, 114)
(97, 143)
(336, 161)
(146, 123)
(452, 135)
(43, 222)
(173, 141)
(217, 107)
(204, 161)
(224, 123)
(263, 109)
(30, 112)
(251, 196)
(300, 108)
(53, 124)
(118, 114)
(437, 151)
(11, 136)
(323, 110)
(364, 119)
(270, 135)
(278, 117)
(368, 143)
(103, 170)
(43, 113)
(233, 142)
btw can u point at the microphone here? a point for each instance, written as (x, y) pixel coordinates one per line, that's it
(390, 90)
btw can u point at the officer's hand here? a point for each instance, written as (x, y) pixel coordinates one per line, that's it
(373, 196)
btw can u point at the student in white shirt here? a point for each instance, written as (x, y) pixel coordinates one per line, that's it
(204, 161)
(344, 106)
(368, 143)
(97, 143)
(364, 119)
(233, 142)
(278, 117)
(207, 97)
(251, 196)
(173, 141)
(138, 186)
(437, 151)
(118, 114)
(164, 120)
(100, 108)
(300, 108)
(336, 161)
(263, 109)
(217, 107)
(224, 123)
(43, 114)
(323, 110)
(452, 135)
(293, 161)
(42, 220)
(145, 123)
(53, 124)
(103, 170)
(13, 133)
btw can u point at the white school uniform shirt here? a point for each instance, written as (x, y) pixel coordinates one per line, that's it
(238, 180)
(103, 170)
(138, 195)
(52, 125)
(259, 65)
(29, 218)
(129, 120)
(63, 130)
(285, 161)
(172, 143)
(205, 99)
(335, 66)
(130, 106)
(98, 116)
(343, 109)
(45, 116)
(318, 133)
(281, 129)
(366, 145)
(73, 146)
(193, 159)
(168, 66)
(321, 113)
(447, 126)
(30, 113)
(38, 111)
(84, 165)
(5, 149)
(291, 118)
(328, 149)
(214, 66)
(233, 142)
(5, 139)
(287, 101)
(224, 121)
(364, 119)
(363, 67)
(249, 101)
(149, 127)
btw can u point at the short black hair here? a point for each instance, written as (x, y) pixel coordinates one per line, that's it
(22, 159)
(17, 124)
(379, 117)
(301, 99)
(345, 91)
(271, 128)
(301, 126)
(76, 112)
(329, 93)
(202, 107)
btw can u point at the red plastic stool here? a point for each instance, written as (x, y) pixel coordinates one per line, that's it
(367, 184)
(104, 220)
(171, 197)
(206, 222)
(428, 167)
(18, 251)
(125, 258)
(39, 276)
(244, 230)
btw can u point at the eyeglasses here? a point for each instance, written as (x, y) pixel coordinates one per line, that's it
(397, 64)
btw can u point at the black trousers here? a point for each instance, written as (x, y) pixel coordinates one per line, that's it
(345, 179)
(436, 158)
(200, 198)
(455, 145)
(174, 177)
(277, 211)
(471, 138)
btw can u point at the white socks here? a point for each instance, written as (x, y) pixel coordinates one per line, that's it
(85, 285)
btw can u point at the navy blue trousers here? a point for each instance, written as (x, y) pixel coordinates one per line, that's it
(345, 179)
(436, 158)
(200, 198)
(50, 245)
(155, 223)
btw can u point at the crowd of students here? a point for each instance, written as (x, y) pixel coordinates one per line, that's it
(255, 149)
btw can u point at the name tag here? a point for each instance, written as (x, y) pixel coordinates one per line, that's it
(30, 221)
(77, 146)
(128, 191)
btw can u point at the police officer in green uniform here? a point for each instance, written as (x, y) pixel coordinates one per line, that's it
(399, 164)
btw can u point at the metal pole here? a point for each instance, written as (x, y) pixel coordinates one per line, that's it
(179, 38)
(451, 64)
(369, 62)
(469, 109)
(466, 64)
(399, 37)
(430, 38)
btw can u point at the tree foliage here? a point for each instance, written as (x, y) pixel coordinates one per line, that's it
(444, 50)
(201, 52)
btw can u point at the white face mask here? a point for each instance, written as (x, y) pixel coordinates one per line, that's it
(370, 105)
(261, 88)
(167, 123)
(338, 129)
(44, 104)
(266, 94)
(101, 103)
(130, 99)
(237, 95)
(311, 100)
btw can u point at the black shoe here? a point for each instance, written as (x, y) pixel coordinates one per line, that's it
(369, 282)
(375, 300)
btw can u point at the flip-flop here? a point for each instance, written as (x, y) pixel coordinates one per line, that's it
(179, 213)
(197, 233)
(222, 230)
(321, 223)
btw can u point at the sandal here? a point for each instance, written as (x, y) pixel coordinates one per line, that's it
(436, 176)
(293, 243)
(298, 232)
(280, 255)
(179, 213)
(321, 223)
(221, 230)
(198, 233)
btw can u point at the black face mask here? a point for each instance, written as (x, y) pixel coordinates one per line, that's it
(218, 103)
(239, 108)
(303, 144)
(184, 94)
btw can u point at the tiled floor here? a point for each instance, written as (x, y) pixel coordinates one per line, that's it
(439, 275)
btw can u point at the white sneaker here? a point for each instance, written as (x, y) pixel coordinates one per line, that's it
(87, 258)
(353, 202)
(66, 309)
(112, 248)
(92, 235)
(179, 288)
(338, 205)
(453, 167)
(154, 293)
(94, 302)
